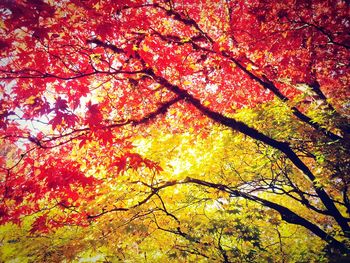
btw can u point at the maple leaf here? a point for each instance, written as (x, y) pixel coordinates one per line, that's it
(134, 161)
(104, 29)
(61, 104)
(63, 119)
(121, 164)
(130, 50)
(39, 225)
(41, 33)
(94, 116)
(4, 45)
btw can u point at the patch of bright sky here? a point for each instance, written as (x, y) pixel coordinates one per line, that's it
(212, 88)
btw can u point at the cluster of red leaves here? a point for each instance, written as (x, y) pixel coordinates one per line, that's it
(57, 183)
(134, 161)
(300, 40)
(46, 223)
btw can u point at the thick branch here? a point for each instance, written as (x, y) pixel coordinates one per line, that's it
(267, 84)
(255, 134)
(323, 31)
(286, 214)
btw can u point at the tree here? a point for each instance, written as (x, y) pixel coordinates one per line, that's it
(261, 87)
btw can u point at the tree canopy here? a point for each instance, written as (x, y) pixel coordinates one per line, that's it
(186, 131)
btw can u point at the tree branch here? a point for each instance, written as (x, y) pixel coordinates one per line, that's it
(286, 214)
(255, 134)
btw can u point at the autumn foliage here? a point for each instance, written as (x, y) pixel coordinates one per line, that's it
(221, 127)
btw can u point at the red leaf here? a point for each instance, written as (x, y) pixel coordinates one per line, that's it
(94, 116)
(121, 164)
(4, 45)
(61, 104)
(39, 225)
(41, 33)
(129, 49)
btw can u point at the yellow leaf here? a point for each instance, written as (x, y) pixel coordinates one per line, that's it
(145, 48)
(2, 25)
(96, 6)
(96, 58)
(108, 85)
(251, 67)
(30, 100)
(206, 103)
(193, 66)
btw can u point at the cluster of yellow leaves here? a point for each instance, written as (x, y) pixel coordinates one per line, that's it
(184, 222)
